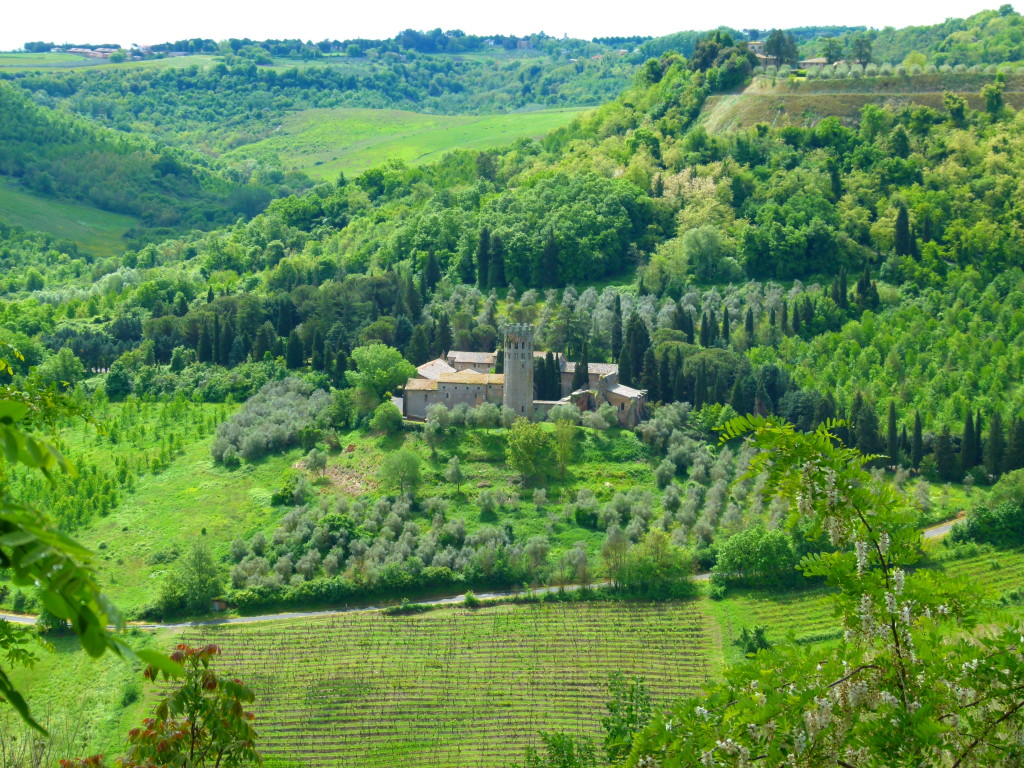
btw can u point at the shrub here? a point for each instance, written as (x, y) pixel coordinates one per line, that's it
(387, 419)
(1002, 525)
(272, 420)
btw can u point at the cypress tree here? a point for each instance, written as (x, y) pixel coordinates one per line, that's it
(700, 387)
(317, 363)
(581, 376)
(431, 272)
(967, 449)
(771, 317)
(917, 443)
(637, 343)
(679, 386)
(978, 442)
(649, 377)
(738, 398)
(625, 371)
(483, 257)
(665, 379)
(824, 410)
(1014, 458)
(796, 318)
(904, 447)
(204, 349)
(807, 320)
(227, 340)
(215, 339)
(748, 326)
(785, 317)
(418, 351)
(444, 335)
(705, 330)
(499, 361)
(995, 446)
(295, 354)
(892, 436)
(844, 291)
(496, 274)
(209, 295)
(945, 459)
(903, 239)
(688, 326)
(412, 303)
(617, 326)
(265, 338)
(725, 325)
(712, 328)
(338, 378)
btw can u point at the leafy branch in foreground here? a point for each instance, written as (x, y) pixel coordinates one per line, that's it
(34, 551)
(915, 681)
(200, 722)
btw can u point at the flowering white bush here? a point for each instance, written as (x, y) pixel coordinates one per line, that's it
(914, 682)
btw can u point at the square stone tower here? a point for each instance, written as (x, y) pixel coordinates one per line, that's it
(519, 369)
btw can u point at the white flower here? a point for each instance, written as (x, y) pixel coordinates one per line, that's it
(899, 577)
(883, 543)
(890, 602)
(862, 557)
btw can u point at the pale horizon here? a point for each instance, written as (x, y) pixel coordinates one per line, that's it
(124, 23)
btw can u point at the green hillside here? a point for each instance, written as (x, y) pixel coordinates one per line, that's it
(97, 232)
(322, 142)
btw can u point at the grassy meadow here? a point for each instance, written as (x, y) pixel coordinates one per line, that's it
(322, 142)
(100, 233)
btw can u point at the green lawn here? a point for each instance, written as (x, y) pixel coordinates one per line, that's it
(97, 232)
(322, 142)
(13, 62)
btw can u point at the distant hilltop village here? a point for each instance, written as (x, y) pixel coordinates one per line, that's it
(469, 378)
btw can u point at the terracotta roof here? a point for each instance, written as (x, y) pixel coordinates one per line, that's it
(471, 377)
(434, 368)
(471, 357)
(425, 385)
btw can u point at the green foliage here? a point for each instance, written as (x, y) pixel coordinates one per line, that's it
(629, 712)
(757, 557)
(401, 470)
(656, 569)
(387, 419)
(32, 550)
(192, 584)
(200, 723)
(562, 751)
(1000, 524)
(906, 648)
(529, 450)
(379, 369)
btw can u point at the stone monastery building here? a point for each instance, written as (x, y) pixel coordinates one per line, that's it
(465, 377)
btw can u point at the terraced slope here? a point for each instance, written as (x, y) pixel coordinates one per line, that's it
(805, 102)
(455, 688)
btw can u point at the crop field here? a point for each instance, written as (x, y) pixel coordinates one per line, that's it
(458, 687)
(14, 62)
(322, 142)
(999, 571)
(97, 232)
(805, 102)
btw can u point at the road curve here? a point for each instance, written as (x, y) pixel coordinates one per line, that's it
(929, 533)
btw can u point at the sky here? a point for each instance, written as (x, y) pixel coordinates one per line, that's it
(129, 21)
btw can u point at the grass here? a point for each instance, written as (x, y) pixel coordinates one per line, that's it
(322, 142)
(454, 687)
(87, 704)
(97, 232)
